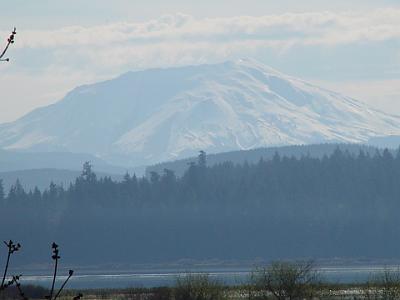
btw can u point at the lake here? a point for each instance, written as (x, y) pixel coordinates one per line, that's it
(80, 280)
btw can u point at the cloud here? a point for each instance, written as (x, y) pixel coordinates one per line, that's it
(181, 39)
(174, 38)
(183, 27)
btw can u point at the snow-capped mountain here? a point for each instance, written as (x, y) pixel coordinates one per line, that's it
(161, 114)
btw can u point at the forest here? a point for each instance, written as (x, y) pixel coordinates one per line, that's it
(340, 205)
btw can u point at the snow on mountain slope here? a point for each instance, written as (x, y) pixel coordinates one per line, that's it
(160, 114)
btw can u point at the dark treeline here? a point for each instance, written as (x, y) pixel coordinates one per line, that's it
(341, 205)
(252, 156)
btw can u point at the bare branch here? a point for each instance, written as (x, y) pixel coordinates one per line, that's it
(11, 249)
(10, 41)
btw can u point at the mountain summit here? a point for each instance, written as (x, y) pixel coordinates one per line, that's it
(161, 114)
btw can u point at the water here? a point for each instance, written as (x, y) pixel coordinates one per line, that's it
(160, 278)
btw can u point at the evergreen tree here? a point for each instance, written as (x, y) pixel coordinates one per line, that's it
(202, 159)
(154, 177)
(36, 195)
(87, 173)
(17, 193)
(127, 178)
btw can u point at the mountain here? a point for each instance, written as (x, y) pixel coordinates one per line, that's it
(253, 156)
(23, 160)
(155, 115)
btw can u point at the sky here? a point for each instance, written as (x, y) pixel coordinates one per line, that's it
(352, 47)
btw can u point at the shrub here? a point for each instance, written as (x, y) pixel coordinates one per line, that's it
(286, 281)
(383, 286)
(198, 287)
(161, 293)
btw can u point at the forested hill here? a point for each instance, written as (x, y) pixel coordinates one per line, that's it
(267, 153)
(341, 205)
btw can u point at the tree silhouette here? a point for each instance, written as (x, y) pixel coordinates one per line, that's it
(56, 257)
(10, 41)
(12, 247)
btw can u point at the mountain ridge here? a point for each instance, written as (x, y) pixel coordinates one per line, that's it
(149, 116)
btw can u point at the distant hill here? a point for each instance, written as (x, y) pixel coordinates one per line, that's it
(390, 141)
(42, 178)
(253, 156)
(40, 168)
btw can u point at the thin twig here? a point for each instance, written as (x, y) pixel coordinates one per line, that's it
(54, 257)
(10, 41)
(6, 268)
(11, 249)
(71, 272)
(18, 284)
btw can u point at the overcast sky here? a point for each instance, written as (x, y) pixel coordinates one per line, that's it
(353, 48)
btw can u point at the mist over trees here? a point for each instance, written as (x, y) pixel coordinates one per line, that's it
(342, 205)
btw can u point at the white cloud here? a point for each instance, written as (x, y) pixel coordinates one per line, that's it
(318, 27)
(178, 39)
